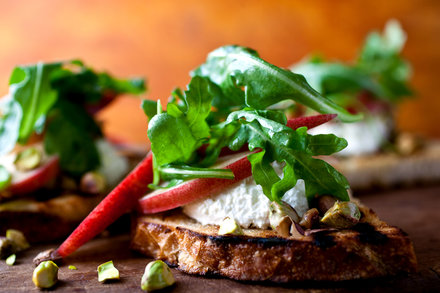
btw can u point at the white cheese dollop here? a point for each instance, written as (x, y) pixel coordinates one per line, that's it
(363, 137)
(246, 203)
(113, 165)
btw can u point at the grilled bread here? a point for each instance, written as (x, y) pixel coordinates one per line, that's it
(386, 170)
(44, 218)
(370, 249)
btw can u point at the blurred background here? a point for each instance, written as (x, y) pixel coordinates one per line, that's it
(163, 40)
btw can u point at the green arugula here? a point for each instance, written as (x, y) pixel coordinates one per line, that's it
(379, 69)
(5, 178)
(225, 105)
(56, 99)
(249, 80)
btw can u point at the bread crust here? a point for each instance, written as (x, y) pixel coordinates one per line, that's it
(371, 249)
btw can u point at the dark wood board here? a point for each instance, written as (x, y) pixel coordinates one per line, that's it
(415, 210)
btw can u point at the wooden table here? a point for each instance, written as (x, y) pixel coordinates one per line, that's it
(415, 210)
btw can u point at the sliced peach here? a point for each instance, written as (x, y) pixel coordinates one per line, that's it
(166, 199)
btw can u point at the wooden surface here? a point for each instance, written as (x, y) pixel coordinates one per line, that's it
(415, 210)
(164, 39)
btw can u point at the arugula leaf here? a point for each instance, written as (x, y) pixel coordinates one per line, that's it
(198, 103)
(149, 107)
(56, 98)
(10, 118)
(170, 172)
(71, 134)
(81, 84)
(325, 144)
(283, 144)
(379, 69)
(175, 135)
(226, 106)
(5, 178)
(30, 87)
(233, 68)
(171, 139)
(381, 60)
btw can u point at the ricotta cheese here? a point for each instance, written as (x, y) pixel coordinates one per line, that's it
(246, 203)
(113, 166)
(363, 137)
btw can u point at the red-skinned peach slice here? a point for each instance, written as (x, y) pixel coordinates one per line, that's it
(24, 182)
(162, 200)
(310, 121)
(126, 195)
(119, 201)
(30, 181)
(166, 199)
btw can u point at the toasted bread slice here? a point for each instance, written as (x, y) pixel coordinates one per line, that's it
(45, 220)
(371, 249)
(386, 170)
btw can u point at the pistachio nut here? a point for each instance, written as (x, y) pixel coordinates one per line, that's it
(342, 215)
(310, 219)
(157, 276)
(50, 254)
(229, 227)
(408, 143)
(28, 159)
(325, 202)
(296, 231)
(11, 260)
(93, 183)
(6, 247)
(45, 274)
(18, 239)
(281, 217)
(107, 271)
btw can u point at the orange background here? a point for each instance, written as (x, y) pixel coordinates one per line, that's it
(164, 40)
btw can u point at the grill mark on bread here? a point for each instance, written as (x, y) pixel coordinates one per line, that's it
(260, 255)
(368, 234)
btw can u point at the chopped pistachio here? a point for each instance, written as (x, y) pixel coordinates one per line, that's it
(342, 215)
(5, 178)
(11, 260)
(408, 143)
(310, 219)
(6, 247)
(296, 231)
(71, 267)
(18, 239)
(229, 227)
(93, 183)
(157, 276)
(325, 202)
(107, 271)
(281, 217)
(45, 274)
(28, 159)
